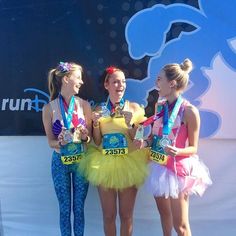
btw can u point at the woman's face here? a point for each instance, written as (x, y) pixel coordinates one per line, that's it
(116, 85)
(164, 86)
(75, 81)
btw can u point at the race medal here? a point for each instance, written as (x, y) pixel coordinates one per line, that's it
(71, 153)
(77, 135)
(68, 136)
(118, 111)
(139, 133)
(164, 141)
(157, 153)
(114, 144)
(104, 110)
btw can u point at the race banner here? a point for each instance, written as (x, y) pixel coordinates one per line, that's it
(139, 37)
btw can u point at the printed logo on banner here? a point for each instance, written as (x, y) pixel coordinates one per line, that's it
(36, 103)
(40, 98)
(211, 43)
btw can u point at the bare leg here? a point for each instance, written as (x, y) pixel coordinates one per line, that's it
(180, 210)
(126, 209)
(108, 202)
(164, 209)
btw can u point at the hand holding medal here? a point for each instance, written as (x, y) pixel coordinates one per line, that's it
(128, 117)
(138, 143)
(77, 135)
(104, 111)
(84, 134)
(95, 118)
(165, 141)
(117, 111)
(171, 150)
(64, 137)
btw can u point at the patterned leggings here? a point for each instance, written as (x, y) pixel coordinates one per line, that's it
(62, 175)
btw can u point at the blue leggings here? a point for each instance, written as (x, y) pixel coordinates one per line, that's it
(62, 175)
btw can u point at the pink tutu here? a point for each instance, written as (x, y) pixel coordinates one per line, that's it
(186, 175)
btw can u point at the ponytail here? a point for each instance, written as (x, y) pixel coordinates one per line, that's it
(54, 84)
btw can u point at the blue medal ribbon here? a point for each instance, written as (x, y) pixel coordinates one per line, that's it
(110, 106)
(67, 120)
(168, 123)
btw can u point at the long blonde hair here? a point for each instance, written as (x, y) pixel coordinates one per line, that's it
(179, 73)
(55, 77)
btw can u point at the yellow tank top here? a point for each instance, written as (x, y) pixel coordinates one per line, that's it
(109, 125)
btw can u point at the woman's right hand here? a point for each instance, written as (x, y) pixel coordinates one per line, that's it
(95, 118)
(61, 137)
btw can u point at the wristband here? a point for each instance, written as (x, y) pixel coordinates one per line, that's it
(87, 140)
(95, 126)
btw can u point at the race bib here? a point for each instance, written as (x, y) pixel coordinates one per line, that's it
(114, 144)
(71, 153)
(157, 153)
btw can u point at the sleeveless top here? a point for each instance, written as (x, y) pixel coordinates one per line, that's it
(57, 120)
(110, 125)
(179, 132)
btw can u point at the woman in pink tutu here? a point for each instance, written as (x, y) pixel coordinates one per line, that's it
(175, 170)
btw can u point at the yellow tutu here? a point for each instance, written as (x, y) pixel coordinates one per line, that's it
(113, 171)
(116, 171)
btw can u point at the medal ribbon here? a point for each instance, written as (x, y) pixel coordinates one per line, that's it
(67, 120)
(159, 114)
(168, 123)
(111, 107)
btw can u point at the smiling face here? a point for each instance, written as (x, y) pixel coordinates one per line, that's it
(115, 84)
(164, 86)
(73, 82)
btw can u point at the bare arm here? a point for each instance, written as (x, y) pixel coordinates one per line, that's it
(47, 122)
(88, 119)
(97, 136)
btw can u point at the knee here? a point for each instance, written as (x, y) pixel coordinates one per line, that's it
(109, 218)
(182, 228)
(125, 216)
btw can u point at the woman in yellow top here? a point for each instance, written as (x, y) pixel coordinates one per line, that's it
(116, 167)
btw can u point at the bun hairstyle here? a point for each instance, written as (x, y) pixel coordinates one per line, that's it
(186, 66)
(179, 73)
(55, 77)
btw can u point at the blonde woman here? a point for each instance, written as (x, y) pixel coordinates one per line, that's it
(67, 123)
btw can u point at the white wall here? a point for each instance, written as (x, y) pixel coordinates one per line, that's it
(28, 205)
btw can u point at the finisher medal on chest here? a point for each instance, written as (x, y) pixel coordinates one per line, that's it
(118, 111)
(77, 135)
(165, 141)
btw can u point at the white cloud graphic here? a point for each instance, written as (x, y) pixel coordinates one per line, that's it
(221, 95)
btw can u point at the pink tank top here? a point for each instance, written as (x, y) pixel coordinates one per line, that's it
(179, 133)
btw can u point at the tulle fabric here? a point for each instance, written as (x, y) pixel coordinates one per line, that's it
(189, 175)
(113, 171)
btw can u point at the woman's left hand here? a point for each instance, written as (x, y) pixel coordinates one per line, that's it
(84, 133)
(138, 143)
(128, 117)
(171, 150)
